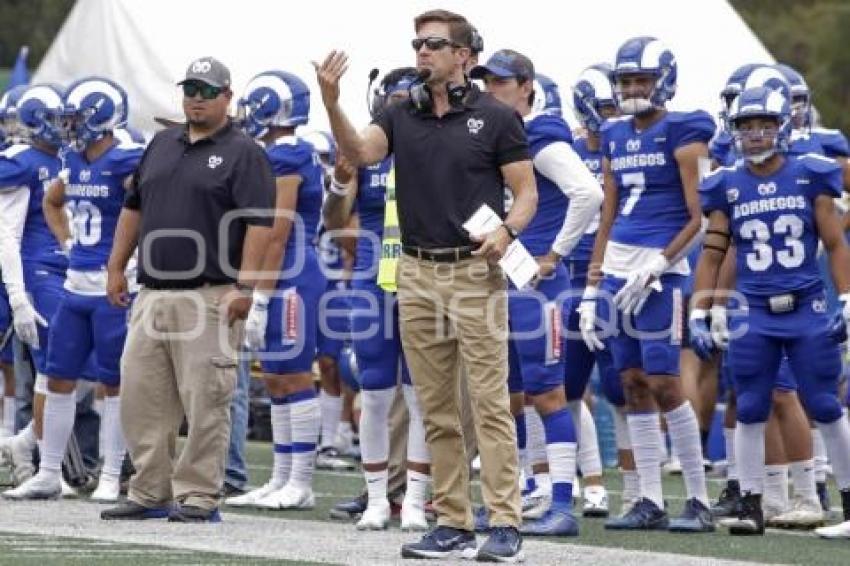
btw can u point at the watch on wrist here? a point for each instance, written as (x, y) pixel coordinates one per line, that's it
(512, 232)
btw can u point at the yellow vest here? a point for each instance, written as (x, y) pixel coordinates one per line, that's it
(391, 242)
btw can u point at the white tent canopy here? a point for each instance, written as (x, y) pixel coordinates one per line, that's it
(146, 45)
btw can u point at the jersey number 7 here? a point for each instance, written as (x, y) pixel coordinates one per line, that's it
(637, 184)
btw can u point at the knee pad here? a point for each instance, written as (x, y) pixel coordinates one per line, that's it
(823, 407)
(753, 406)
(374, 425)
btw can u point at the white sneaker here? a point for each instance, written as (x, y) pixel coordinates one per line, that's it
(376, 517)
(802, 515)
(328, 458)
(771, 509)
(476, 464)
(39, 486)
(251, 498)
(841, 530)
(68, 492)
(576, 488)
(413, 517)
(536, 503)
(595, 501)
(289, 496)
(626, 506)
(108, 489)
(344, 440)
(672, 466)
(17, 454)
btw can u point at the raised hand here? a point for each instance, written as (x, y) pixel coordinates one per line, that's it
(328, 74)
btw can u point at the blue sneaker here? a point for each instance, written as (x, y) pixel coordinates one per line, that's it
(441, 542)
(695, 518)
(482, 519)
(555, 522)
(643, 516)
(503, 545)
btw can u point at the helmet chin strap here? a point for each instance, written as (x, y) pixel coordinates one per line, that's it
(636, 106)
(759, 158)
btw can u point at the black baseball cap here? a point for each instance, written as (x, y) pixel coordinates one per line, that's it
(505, 63)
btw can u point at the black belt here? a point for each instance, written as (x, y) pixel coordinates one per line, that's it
(439, 254)
(181, 285)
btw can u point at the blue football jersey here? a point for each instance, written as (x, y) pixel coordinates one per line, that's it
(370, 204)
(25, 166)
(772, 221)
(293, 156)
(651, 206)
(94, 196)
(829, 143)
(543, 130)
(721, 148)
(593, 161)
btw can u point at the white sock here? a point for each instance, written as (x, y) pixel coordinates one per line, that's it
(836, 438)
(112, 436)
(536, 436)
(731, 466)
(621, 431)
(282, 439)
(543, 481)
(59, 412)
(749, 440)
(803, 479)
(10, 406)
(589, 461)
(304, 417)
(631, 485)
(374, 425)
(662, 445)
(376, 487)
(776, 485)
(683, 428)
(97, 406)
(418, 487)
(27, 434)
(331, 412)
(821, 460)
(417, 450)
(646, 440)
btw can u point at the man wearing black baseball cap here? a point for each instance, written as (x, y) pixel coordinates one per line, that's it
(195, 210)
(505, 64)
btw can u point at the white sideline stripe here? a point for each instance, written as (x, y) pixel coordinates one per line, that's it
(245, 535)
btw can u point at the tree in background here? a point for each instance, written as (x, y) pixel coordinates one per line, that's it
(29, 22)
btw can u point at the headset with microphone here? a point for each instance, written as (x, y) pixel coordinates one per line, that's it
(421, 96)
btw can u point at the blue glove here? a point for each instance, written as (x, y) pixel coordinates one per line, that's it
(838, 327)
(701, 340)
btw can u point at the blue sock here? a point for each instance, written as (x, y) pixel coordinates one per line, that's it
(561, 452)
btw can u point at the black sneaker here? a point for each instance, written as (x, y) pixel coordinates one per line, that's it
(749, 519)
(695, 518)
(441, 542)
(350, 510)
(823, 496)
(132, 511)
(727, 505)
(228, 490)
(503, 545)
(191, 514)
(643, 516)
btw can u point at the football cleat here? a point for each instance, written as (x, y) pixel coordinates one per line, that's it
(695, 518)
(413, 518)
(350, 508)
(643, 516)
(329, 458)
(251, 498)
(39, 486)
(108, 489)
(68, 492)
(772, 508)
(376, 517)
(823, 496)
(728, 501)
(289, 497)
(536, 503)
(803, 514)
(749, 519)
(839, 531)
(595, 501)
(18, 454)
(672, 466)
(555, 522)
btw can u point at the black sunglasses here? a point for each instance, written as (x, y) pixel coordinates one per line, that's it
(432, 43)
(208, 91)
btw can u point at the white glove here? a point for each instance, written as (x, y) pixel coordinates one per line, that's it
(26, 320)
(844, 298)
(639, 284)
(255, 324)
(64, 175)
(587, 320)
(719, 327)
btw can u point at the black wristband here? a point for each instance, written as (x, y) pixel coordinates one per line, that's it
(243, 287)
(512, 232)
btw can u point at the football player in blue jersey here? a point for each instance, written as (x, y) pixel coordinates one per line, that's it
(650, 214)
(91, 185)
(375, 332)
(773, 207)
(335, 261)
(32, 262)
(283, 327)
(568, 200)
(594, 103)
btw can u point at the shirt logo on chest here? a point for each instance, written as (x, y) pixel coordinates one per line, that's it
(633, 145)
(732, 195)
(214, 161)
(474, 125)
(765, 189)
(85, 176)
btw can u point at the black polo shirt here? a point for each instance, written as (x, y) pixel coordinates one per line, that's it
(186, 193)
(445, 168)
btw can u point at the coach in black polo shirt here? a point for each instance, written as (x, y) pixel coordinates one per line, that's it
(196, 211)
(454, 149)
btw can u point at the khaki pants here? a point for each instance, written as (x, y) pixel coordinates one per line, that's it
(179, 358)
(452, 313)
